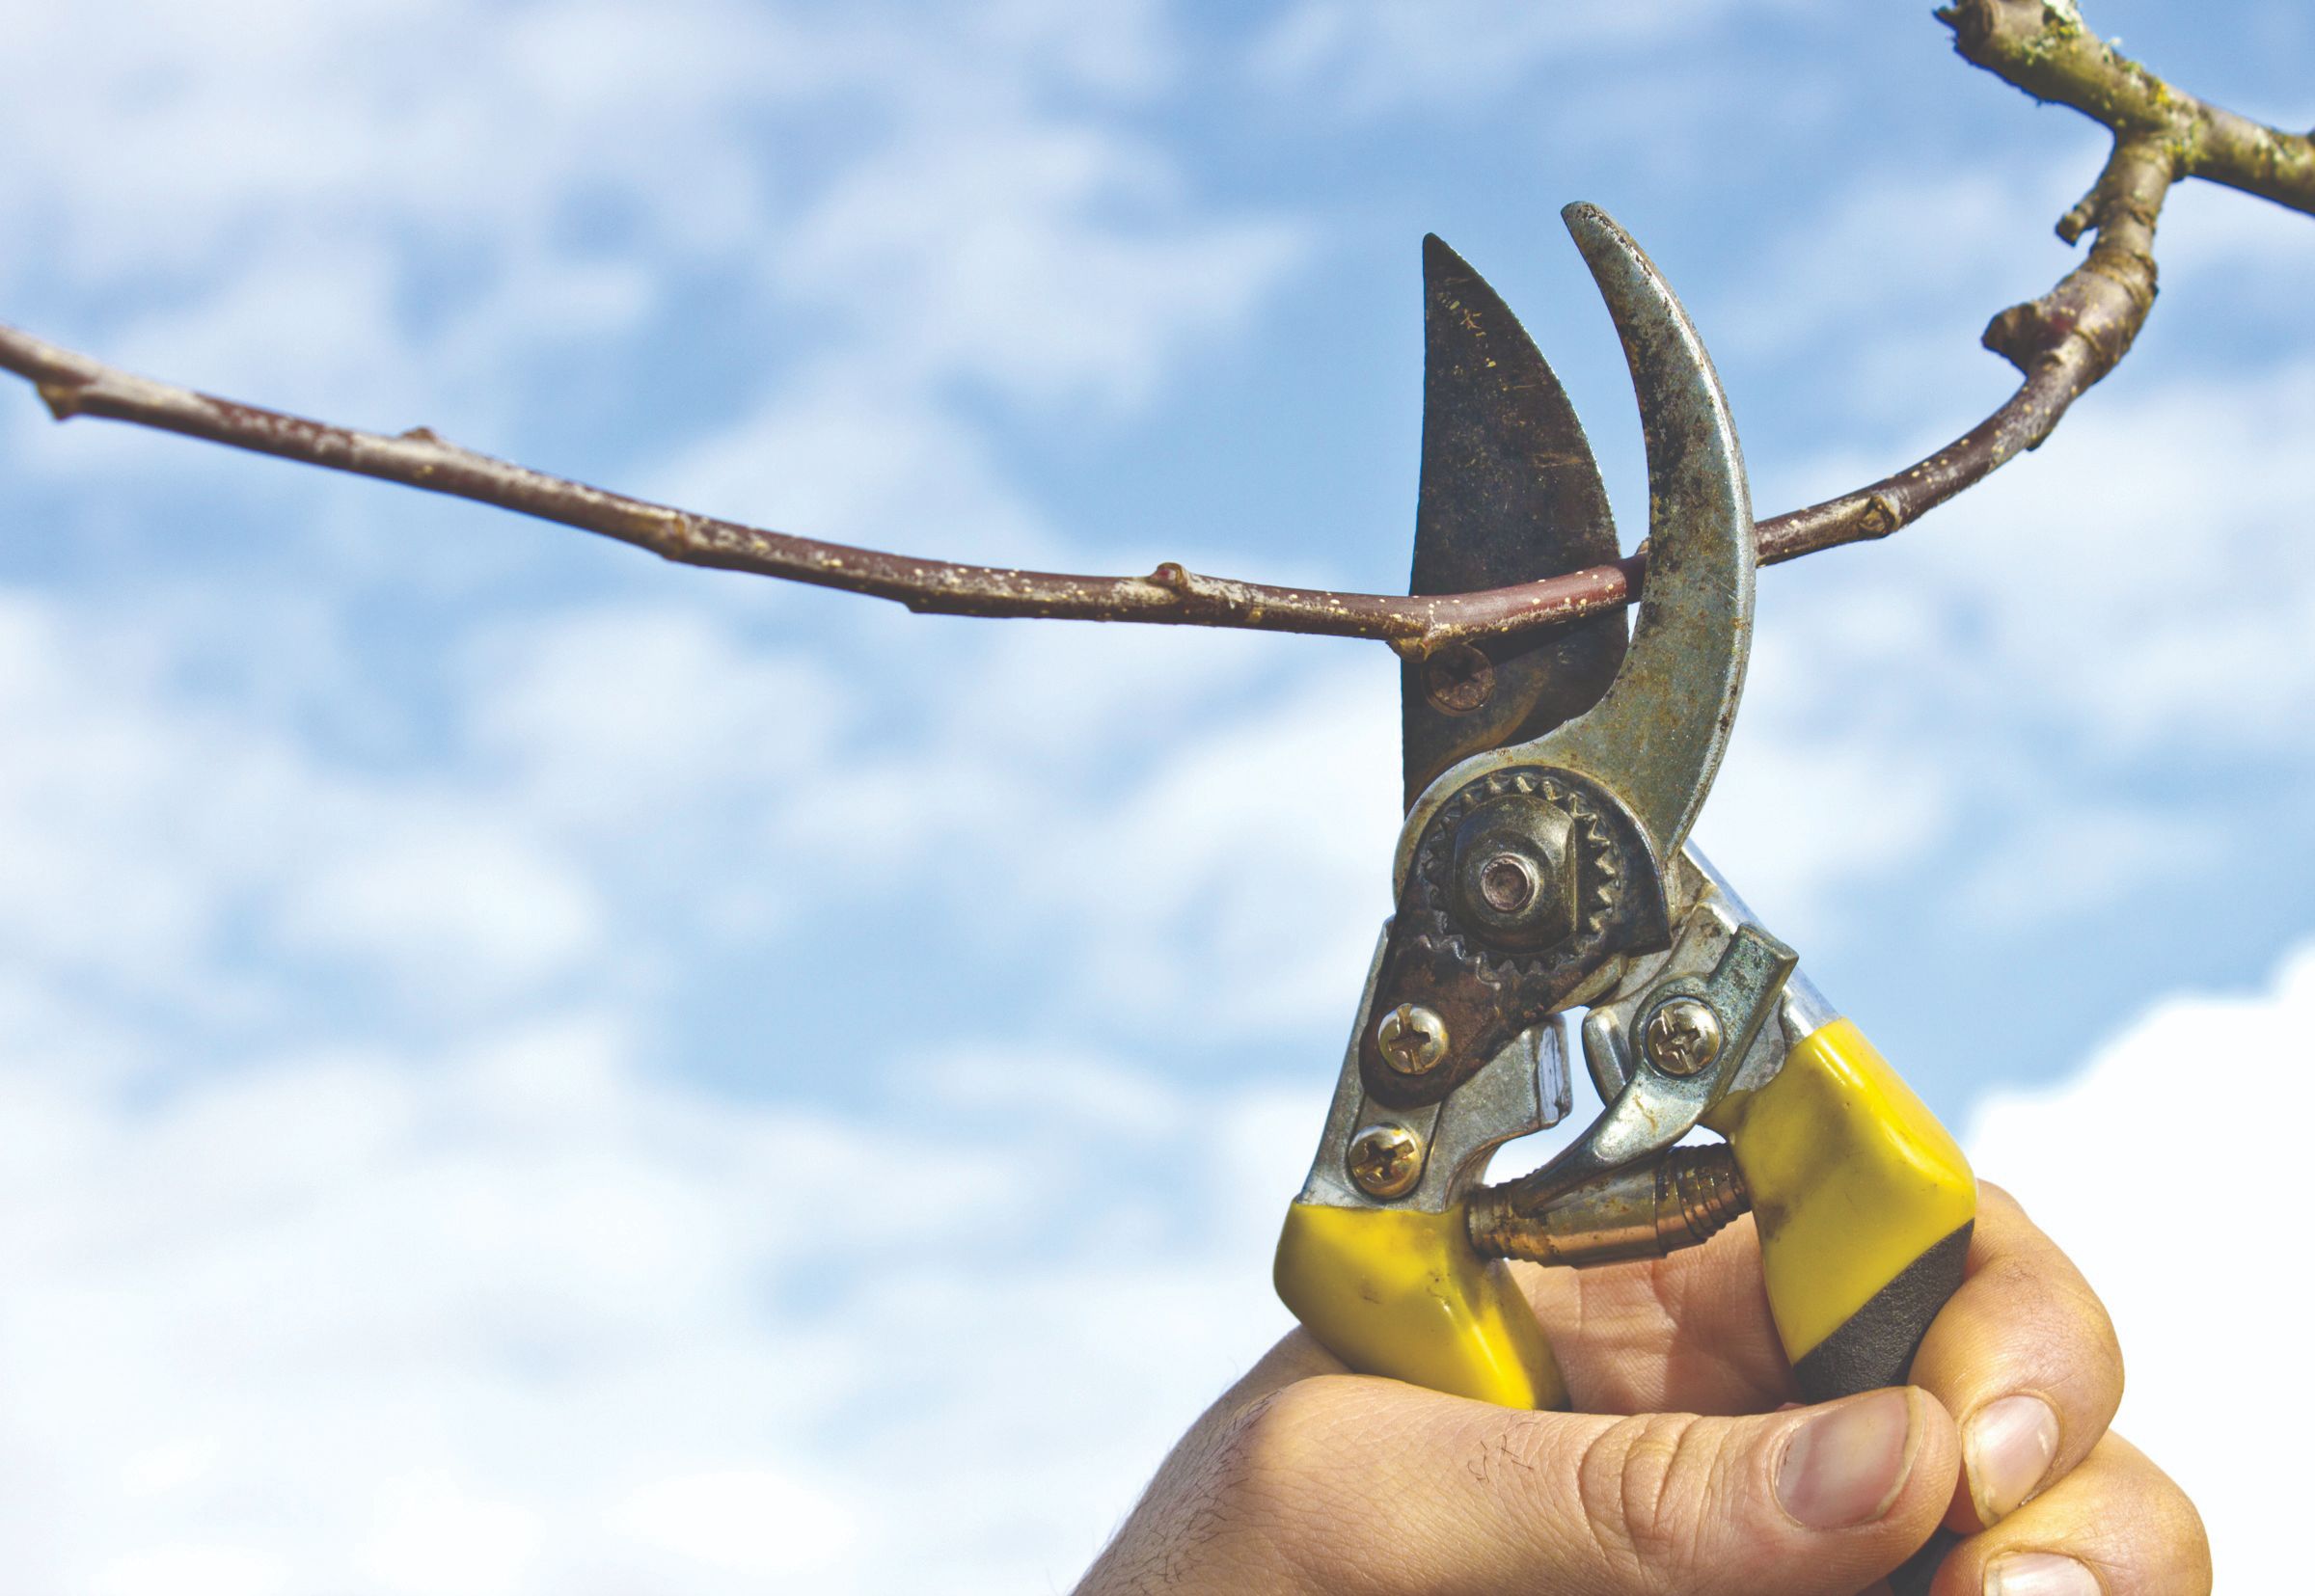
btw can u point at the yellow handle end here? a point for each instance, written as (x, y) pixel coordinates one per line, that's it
(1852, 1178)
(1400, 1293)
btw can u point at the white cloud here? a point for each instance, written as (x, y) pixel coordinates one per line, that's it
(1264, 843)
(2006, 690)
(396, 213)
(750, 1522)
(156, 827)
(618, 791)
(191, 1569)
(602, 717)
(523, 1318)
(340, 1305)
(1823, 789)
(2164, 605)
(969, 251)
(2149, 1165)
(2083, 858)
(450, 901)
(857, 455)
(1152, 815)
(433, 1532)
(1880, 293)
(1085, 1091)
(2213, 239)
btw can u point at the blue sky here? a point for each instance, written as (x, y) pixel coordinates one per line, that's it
(527, 1069)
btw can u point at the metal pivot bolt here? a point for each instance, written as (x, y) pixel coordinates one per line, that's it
(1412, 1038)
(1508, 882)
(1386, 1160)
(1515, 872)
(1683, 1035)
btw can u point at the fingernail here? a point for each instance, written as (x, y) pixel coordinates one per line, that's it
(2011, 1444)
(1846, 1465)
(2040, 1574)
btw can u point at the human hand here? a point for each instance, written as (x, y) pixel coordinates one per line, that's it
(1688, 1470)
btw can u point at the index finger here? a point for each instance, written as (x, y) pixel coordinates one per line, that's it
(2024, 1359)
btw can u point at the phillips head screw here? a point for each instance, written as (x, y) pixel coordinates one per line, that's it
(1386, 1160)
(1412, 1038)
(1683, 1037)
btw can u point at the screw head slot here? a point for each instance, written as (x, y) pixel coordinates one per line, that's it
(1412, 1039)
(1386, 1160)
(1683, 1037)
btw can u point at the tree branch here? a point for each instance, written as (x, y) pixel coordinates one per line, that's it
(2061, 342)
(2072, 335)
(73, 383)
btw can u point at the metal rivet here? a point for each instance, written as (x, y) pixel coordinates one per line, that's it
(1683, 1037)
(1459, 678)
(1386, 1160)
(1412, 1038)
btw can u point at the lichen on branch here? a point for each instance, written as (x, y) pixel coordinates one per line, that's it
(2045, 48)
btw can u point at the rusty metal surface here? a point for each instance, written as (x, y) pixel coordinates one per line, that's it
(1510, 494)
(1488, 989)
(1657, 735)
(1525, 1087)
(1533, 872)
(1629, 771)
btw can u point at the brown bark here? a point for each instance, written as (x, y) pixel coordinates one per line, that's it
(2061, 342)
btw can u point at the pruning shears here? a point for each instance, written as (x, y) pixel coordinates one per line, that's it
(1544, 865)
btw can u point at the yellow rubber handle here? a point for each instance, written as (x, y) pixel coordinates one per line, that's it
(1865, 1204)
(1400, 1293)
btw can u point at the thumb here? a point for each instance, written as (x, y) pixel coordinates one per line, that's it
(1436, 1494)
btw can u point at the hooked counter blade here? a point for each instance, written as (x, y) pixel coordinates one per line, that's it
(1510, 494)
(1657, 737)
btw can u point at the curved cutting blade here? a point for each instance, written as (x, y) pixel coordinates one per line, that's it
(1656, 738)
(1510, 494)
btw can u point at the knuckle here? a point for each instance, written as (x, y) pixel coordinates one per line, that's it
(2057, 1319)
(2015, 1277)
(2039, 1307)
(1268, 1477)
(2110, 1352)
(1261, 1452)
(1218, 1517)
(2001, 1201)
(2189, 1541)
(1643, 1484)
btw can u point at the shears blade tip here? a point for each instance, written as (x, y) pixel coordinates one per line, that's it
(1510, 494)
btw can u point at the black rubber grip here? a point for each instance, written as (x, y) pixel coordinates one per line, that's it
(1874, 1348)
(1913, 1578)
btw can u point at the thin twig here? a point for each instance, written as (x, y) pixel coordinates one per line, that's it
(73, 383)
(2061, 342)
